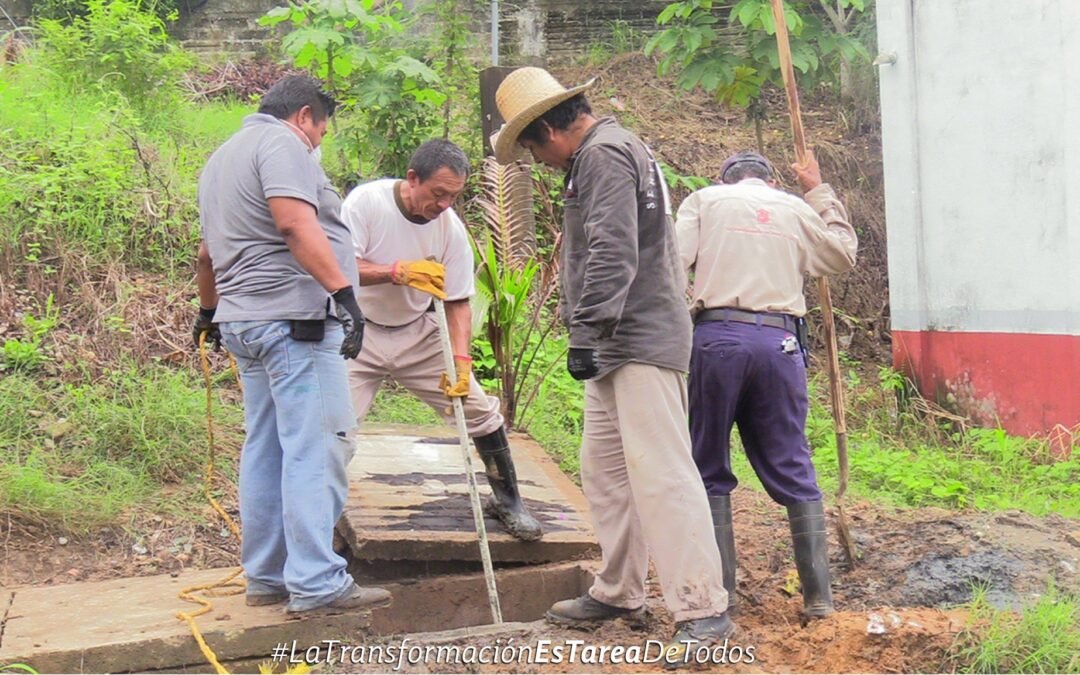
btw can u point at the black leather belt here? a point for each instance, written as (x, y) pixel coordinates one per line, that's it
(772, 319)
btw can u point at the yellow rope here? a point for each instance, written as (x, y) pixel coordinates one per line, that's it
(211, 589)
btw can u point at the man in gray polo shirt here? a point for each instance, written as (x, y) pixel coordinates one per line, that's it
(275, 259)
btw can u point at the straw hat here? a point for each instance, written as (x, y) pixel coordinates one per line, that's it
(525, 94)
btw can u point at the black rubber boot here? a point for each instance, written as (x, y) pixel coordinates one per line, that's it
(811, 544)
(506, 504)
(720, 505)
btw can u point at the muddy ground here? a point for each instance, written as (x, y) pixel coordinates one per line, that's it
(914, 568)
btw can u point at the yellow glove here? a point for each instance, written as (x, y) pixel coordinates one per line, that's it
(423, 275)
(459, 389)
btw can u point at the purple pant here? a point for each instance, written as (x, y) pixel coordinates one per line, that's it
(740, 374)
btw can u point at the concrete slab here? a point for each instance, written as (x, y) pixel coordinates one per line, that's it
(408, 500)
(130, 625)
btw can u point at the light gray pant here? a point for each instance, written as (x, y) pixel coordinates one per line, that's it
(646, 495)
(411, 356)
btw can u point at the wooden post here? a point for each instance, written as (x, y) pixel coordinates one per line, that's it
(836, 389)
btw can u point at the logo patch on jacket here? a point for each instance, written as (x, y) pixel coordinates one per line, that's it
(763, 216)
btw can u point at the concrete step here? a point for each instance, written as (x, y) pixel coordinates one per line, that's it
(408, 500)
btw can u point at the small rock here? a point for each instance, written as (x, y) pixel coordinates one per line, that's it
(1073, 538)
(35, 413)
(1068, 568)
(139, 549)
(62, 541)
(875, 625)
(74, 572)
(222, 617)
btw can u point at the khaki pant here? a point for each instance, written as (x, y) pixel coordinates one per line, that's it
(411, 356)
(646, 495)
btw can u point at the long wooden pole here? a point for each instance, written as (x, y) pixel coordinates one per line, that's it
(836, 390)
(470, 476)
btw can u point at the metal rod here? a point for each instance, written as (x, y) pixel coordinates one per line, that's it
(470, 477)
(494, 32)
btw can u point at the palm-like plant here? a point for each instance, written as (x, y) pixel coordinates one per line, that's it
(507, 271)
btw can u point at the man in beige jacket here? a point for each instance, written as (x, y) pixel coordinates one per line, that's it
(749, 246)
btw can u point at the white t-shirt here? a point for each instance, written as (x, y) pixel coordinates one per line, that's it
(382, 235)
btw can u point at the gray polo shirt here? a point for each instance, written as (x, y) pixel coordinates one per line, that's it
(256, 274)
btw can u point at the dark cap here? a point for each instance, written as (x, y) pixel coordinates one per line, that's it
(744, 158)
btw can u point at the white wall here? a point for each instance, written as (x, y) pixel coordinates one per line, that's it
(981, 132)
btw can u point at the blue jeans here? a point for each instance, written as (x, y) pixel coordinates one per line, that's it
(299, 439)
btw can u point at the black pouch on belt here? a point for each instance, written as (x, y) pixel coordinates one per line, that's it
(307, 330)
(804, 339)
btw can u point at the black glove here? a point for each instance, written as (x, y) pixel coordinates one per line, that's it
(581, 362)
(352, 320)
(204, 322)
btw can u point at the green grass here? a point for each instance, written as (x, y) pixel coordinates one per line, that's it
(899, 458)
(98, 453)
(556, 423)
(1043, 638)
(395, 405)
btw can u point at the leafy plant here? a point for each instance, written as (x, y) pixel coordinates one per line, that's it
(389, 97)
(733, 60)
(449, 44)
(516, 285)
(119, 47)
(678, 182)
(26, 354)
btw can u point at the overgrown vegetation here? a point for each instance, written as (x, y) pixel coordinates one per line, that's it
(734, 57)
(396, 90)
(1041, 638)
(68, 10)
(102, 452)
(97, 192)
(909, 457)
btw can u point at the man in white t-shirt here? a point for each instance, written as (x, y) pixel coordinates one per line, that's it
(410, 245)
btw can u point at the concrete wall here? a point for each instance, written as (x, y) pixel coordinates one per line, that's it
(15, 10)
(227, 26)
(532, 31)
(981, 131)
(542, 31)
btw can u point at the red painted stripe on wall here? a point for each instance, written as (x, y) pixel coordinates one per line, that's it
(1026, 382)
